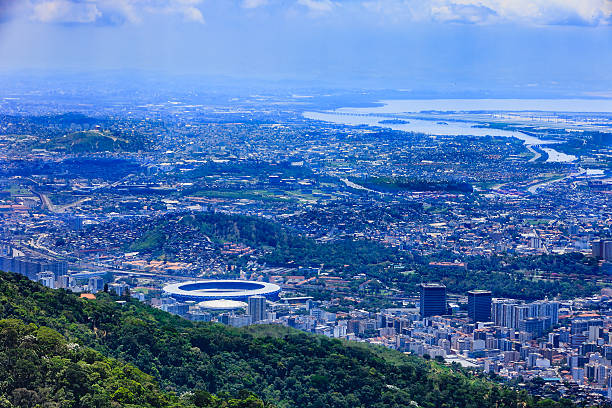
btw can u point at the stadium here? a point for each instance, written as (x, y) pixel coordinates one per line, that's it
(221, 289)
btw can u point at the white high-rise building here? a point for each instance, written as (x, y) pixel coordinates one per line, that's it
(47, 279)
(95, 284)
(257, 308)
(510, 313)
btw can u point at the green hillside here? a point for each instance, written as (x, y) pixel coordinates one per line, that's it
(92, 141)
(41, 369)
(281, 366)
(281, 246)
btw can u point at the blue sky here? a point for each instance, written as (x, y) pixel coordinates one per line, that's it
(471, 44)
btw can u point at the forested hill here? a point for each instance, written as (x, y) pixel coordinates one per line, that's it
(59, 348)
(40, 368)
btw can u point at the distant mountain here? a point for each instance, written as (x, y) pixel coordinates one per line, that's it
(58, 350)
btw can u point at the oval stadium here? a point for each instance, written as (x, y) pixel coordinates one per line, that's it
(221, 289)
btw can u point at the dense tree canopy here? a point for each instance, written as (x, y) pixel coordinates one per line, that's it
(282, 366)
(40, 368)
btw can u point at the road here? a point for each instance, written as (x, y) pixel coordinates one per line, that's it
(38, 245)
(58, 209)
(358, 187)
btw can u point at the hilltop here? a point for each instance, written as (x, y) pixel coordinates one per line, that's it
(92, 141)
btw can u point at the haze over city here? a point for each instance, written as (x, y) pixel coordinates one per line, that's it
(492, 46)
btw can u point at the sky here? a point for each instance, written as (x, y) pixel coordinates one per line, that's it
(564, 45)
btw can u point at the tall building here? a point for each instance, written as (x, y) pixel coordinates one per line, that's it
(545, 308)
(257, 308)
(75, 223)
(597, 248)
(46, 279)
(31, 267)
(58, 268)
(433, 299)
(95, 284)
(602, 249)
(500, 308)
(510, 313)
(118, 289)
(63, 281)
(479, 305)
(535, 242)
(181, 309)
(554, 339)
(533, 326)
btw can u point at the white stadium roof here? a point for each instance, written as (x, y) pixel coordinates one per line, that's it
(221, 289)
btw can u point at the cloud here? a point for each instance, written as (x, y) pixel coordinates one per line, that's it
(317, 6)
(463, 13)
(193, 14)
(538, 12)
(549, 12)
(111, 11)
(522, 12)
(185, 8)
(251, 4)
(65, 11)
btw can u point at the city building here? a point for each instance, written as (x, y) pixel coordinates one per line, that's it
(433, 299)
(479, 305)
(510, 313)
(602, 249)
(118, 289)
(257, 308)
(46, 279)
(95, 284)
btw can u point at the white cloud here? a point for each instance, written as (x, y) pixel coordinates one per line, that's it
(317, 6)
(111, 11)
(251, 4)
(185, 8)
(589, 12)
(121, 10)
(188, 8)
(64, 11)
(193, 14)
(533, 12)
(539, 12)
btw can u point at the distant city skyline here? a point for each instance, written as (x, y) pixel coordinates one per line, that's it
(453, 45)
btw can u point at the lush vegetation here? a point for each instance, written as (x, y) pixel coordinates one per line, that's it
(107, 168)
(92, 141)
(217, 227)
(40, 368)
(92, 135)
(282, 366)
(533, 277)
(514, 277)
(394, 184)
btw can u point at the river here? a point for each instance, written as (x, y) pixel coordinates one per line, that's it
(374, 115)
